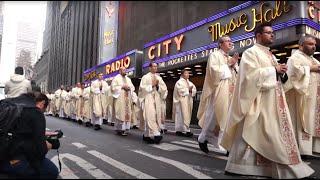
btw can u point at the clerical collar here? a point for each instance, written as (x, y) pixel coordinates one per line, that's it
(262, 46)
(223, 53)
(183, 78)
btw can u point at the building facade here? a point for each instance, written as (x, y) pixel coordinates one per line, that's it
(156, 27)
(1, 24)
(42, 65)
(26, 46)
(73, 45)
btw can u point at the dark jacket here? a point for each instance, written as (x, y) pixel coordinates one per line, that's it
(29, 137)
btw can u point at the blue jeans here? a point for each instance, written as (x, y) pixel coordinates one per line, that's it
(48, 169)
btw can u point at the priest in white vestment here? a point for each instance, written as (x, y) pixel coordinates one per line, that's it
(66, 103)
(98, 88)
(152, 92)
(216, 95)
(259, 133)
(183, 93)
(58, 101)
(122, 88)
(135, 111)
(303, 96)
(79, 104)
(87, 105)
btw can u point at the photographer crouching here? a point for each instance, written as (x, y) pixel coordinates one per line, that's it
(28, 144)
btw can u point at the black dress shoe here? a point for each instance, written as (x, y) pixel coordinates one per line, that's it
(97, 127)
(123, 133)
(87, 124)
(179, 133)
(189, 134)
(307, 157)
(204, 146)
(134, 127)
(227, 154)
(157, 139)
(230, 173)
(79, 122)
(112, 124)
(147, 139)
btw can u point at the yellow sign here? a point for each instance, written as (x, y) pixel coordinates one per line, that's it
(108, 37)
(90, 76)
(314, 10)
(263, 14)
(115, 66)
(165, 44)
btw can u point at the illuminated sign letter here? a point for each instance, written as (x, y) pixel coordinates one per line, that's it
(178, 41)
(151, 56)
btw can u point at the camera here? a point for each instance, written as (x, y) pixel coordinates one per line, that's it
(53, 138)
(57, 134)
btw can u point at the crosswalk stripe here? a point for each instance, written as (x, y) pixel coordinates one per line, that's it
(179, 165)
(172, 147)
(79, 145)
(195, 142)
(197, 146)
(127, 169)
(189, 141)
(91, 169)
(66, 173)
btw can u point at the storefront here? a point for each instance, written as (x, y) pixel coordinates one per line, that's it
(131, 60)
(189, 47)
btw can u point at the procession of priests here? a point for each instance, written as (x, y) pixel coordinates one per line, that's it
(262, 114)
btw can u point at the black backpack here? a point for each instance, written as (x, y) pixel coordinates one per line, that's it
(9, 113)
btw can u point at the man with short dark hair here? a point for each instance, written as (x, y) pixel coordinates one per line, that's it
(26, 155)
(259, 133)
(17, 84)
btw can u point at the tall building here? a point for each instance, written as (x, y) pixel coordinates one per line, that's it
(41, 67)
(1, 24)
(73, 46)
(26, 45)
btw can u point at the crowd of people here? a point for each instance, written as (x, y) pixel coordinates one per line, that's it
(265, 114)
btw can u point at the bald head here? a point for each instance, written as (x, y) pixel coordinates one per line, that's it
(123, 71)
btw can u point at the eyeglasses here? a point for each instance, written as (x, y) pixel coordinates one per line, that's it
(268, 32)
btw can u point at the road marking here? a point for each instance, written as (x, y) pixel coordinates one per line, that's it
(212, 148)
(47, 129)
(188, 169)
(127, 169)
(66, 173)
(91, 169)
(79, 145)
(172, 147)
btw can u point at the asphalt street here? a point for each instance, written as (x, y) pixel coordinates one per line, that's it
(86, 153)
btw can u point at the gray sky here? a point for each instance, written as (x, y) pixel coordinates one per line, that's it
(14, 11)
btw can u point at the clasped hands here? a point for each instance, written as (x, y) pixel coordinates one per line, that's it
(281, 68)
(232, 61)
(126, 87)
